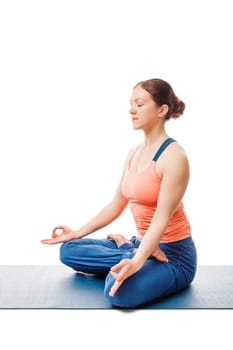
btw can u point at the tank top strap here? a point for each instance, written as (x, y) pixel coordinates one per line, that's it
(163, 147)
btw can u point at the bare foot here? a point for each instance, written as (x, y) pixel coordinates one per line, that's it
(118, 239)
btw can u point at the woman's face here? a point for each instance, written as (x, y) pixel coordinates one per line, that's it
(145, 113)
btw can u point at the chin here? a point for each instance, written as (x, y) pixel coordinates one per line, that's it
(136, 127)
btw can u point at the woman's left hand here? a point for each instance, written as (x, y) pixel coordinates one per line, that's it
(127, 268)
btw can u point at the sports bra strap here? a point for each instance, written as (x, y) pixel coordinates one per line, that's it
(163, 147)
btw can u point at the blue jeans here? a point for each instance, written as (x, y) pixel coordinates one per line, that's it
(154, 280)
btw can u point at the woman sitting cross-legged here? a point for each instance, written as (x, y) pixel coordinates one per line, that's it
(161, 258)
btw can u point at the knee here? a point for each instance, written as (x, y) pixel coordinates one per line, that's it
(64, 253)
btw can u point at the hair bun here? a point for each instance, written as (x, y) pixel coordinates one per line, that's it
(179, 107)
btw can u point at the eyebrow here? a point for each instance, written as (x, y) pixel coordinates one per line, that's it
(136, 99)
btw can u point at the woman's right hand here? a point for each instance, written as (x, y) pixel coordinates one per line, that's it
(66, 234)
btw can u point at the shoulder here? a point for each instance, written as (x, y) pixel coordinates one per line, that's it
(173, 160)
(132, 151)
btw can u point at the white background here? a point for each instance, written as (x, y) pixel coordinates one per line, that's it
(67, 72)
(67, 69)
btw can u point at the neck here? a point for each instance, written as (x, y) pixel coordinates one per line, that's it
(154, 136)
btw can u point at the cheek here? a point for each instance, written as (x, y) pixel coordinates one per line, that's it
(150, 114)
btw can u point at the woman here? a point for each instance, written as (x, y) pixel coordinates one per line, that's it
(162, 258)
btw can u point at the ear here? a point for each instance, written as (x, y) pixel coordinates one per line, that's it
(163, 111)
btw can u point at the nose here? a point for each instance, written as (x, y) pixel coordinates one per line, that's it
(132, 110)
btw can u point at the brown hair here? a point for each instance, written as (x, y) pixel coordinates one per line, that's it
(162, 93)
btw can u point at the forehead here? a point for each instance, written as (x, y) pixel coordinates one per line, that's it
(140, 93)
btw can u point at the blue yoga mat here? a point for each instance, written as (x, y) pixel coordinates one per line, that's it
(58, 287)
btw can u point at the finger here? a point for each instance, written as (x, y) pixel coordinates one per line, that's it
(46, 241)
(57, 228)
(49, 241)
(115, 288)
(162, 258)
(118, 266)
(121, 275)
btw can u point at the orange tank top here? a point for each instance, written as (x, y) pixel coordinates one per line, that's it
(142, 191)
